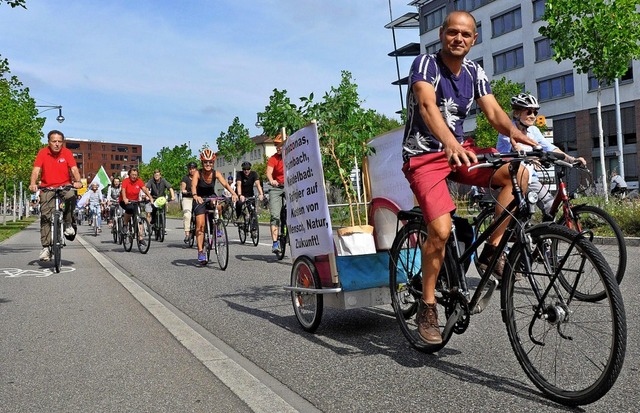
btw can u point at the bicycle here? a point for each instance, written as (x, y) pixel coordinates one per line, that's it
(57, 225)
(572, 350)
(160, 224)
(138, 228)
(192, 230)
(215, 234)
(227, 210)
(610, 239)
(248, 222)
(94, 220)
(116, 225)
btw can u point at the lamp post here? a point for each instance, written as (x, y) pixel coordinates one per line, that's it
(59, 118)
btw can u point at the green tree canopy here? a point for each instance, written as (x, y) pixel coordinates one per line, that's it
(15, 3)
(172, 162)
(20, 127)
(235, 142)
(485, 135)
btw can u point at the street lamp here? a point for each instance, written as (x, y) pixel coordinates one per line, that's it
(259, 122)
(59, 118)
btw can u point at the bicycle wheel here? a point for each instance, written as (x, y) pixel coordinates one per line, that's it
(227, 213)
(607, 236)
(127, 237)
(308, 307)
(145, 235)
(115, 229)
(56, 241)
(162, 225)
(405, 284)
(572, 350)
(254, 228)
(192, 232)
(242, 228)
(481, 223)
(94, 223)
(222, 244)
(282, 240)
(208, 236)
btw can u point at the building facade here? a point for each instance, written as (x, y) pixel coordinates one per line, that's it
(91, 155)
(263, 150)
(509, 45)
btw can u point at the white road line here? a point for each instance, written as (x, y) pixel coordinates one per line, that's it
(247, 387)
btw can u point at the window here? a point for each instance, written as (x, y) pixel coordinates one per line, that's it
(122, 149)
(609, 127)
(479, 31)
(564, 134)
(538, 9)
(469, 5)
(72, 145)
(593, 82)
(507, 22)
(432, 48)
(543, 49)
(134, 149)
(508, 60)
(555, 87)
(434, 19)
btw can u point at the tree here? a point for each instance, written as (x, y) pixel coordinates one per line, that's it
(344, 128)
(20, 128)
(15, 3)
(485, 135)
(172, 162)
(235, 142)
(598, 35)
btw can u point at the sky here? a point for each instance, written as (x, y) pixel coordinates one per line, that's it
(165, 73)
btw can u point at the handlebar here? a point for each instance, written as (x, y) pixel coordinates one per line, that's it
(495, 160)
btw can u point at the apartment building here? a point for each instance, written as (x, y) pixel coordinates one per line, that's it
(509, 45)
(91, 155)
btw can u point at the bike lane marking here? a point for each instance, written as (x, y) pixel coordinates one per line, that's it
(30, 272)
(259, 397)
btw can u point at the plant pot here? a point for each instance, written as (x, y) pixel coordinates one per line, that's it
(355, 240)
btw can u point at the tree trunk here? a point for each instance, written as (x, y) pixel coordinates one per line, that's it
(601, 141)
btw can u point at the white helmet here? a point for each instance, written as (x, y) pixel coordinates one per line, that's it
(524, 101)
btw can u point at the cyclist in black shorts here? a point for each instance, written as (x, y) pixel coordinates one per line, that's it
(245, 181)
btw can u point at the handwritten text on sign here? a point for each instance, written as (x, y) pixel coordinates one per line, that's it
(308, 210)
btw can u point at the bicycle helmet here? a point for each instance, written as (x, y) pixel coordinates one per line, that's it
(524, 101)
(278, 139)
(246, 165)
(207, 155)
(229, 178)
(192, 165)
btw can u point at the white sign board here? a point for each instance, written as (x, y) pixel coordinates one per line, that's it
(307, 207)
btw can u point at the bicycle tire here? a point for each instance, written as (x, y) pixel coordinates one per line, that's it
(308, 307)
(481, 223)
(146, 235)
(127, 238)
(242, 228)
(282, 241)
(572, 350)
(56, 241)
(405, 284)
(115, 229)
(222, 245)
(94, 223)
(162, 225)
(192, 231)
(254, 228)
(612, 245)
(208, 236)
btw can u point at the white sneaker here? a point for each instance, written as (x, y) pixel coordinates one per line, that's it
(44, 255)
(69, 231)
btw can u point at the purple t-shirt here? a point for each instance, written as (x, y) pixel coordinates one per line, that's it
(454, 95)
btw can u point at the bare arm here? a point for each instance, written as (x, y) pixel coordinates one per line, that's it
(234, 196)
(35, 172)
(76, 177)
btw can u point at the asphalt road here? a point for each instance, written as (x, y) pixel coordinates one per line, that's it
(358, 359)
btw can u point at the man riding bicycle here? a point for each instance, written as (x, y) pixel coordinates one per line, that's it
(95, 202)
(131, 189)
(158, 186)
(113, 196)
(275, 176)
(53, 163)
(246, 180)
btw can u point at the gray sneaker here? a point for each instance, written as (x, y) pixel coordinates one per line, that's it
(69, 231)
(427, 320)
(45, 255)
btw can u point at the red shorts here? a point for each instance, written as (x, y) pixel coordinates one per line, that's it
(427, 175)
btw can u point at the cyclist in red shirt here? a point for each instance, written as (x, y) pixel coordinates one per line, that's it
(275, 176)
(53, 164)
(131, 187)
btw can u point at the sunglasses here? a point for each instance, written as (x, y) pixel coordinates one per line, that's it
(207, 162)
(247, 169)
(530, 112)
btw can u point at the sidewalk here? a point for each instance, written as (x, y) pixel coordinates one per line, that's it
(78, 341)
